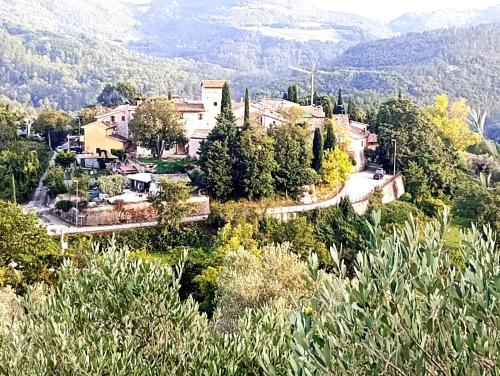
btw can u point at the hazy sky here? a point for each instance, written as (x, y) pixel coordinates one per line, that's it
(389, 9)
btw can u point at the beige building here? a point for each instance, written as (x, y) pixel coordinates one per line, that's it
(101, 138)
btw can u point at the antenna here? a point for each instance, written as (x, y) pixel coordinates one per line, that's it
(313, 72)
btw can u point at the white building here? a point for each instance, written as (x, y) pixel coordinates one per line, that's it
(211, 97)
(119, 116)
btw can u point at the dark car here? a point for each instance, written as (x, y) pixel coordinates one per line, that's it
(379, 174)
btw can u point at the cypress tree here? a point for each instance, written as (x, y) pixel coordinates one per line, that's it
(226, 108)
(285, 96)
(317, 162)
(400, 95)
(327, 108)
(330, 140)
(246, 119)
(295, 94)
(339, 108)
(290, 93)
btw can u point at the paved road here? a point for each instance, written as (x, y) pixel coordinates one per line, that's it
(39, 198)
(362, 183)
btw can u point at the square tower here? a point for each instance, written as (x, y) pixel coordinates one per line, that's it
(211, 96)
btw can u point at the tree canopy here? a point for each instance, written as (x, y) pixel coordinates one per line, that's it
(156, 126)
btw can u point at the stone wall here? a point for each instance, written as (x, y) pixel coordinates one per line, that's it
(392, 189)
(125, 213)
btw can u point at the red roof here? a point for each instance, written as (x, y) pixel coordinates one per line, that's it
(189, 107)
(213, 84)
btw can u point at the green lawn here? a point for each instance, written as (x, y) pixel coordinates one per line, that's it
(453, 236)
(167, 167)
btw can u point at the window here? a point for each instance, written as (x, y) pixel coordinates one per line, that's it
(215, 104)
(123, 118)
(200, 116)
(112, 119)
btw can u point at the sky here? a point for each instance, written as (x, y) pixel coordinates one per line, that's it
(386, 10)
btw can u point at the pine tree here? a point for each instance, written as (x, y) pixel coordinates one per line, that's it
(226, 108)
(330, 140)
(339, 108)
(246, 119)
(317, 162)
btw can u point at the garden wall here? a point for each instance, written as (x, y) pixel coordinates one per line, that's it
(126, 213)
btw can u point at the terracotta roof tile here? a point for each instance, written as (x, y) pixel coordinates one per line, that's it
(213, 84)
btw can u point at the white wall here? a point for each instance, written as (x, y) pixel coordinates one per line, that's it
(122, 126)
(211, 99)
(194, 147)
(193, 122)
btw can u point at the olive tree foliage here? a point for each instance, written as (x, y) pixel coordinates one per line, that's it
(112, 184)
(273, 277)
(409, 310)
(406, 310)
(156, 125)
(122, 316)
(171, 204)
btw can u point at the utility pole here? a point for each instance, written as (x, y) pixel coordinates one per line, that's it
(395, 151)
(77, 213)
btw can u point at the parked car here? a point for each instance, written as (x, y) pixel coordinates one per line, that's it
(379, 174)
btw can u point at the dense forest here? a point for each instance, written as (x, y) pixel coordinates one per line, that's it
(46, 69)
(160, 54)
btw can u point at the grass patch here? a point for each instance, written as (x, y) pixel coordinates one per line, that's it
(167, 167)
(453, 236)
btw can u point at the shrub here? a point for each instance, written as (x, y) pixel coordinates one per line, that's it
(65, 158)
(112, 185)
(396, 213)
(54, 181)
(432, 206)
(65, 205)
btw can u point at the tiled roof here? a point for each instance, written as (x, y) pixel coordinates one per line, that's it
(186, 106)
(213, 84)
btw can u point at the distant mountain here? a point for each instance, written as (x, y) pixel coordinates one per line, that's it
(63, 52)
(444, 19)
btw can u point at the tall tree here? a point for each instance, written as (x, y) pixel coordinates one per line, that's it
(226, 107)
(330, 140)
(254, 164)
(327, 107)
(156, 126)
(317, 162)
(295, 93)
(217, 166)
(417, 140)
(339, 108)
(451, 122)
(24, 244)
(8, 126)
(51, 120)
(246, 119)
(293, 157)
(354, 111)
